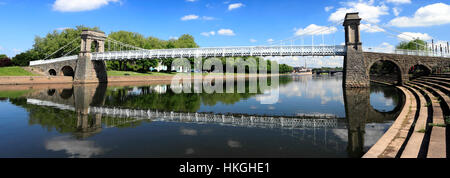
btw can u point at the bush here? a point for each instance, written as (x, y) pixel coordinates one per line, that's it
(5, 62)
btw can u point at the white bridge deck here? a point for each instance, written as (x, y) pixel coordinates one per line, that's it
(223, 52)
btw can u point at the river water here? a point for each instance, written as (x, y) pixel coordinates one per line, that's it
(314, 117)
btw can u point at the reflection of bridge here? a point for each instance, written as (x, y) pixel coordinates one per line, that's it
(132, 115)
(89, 67)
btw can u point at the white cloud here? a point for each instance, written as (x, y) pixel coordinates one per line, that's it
(396, 11)
(383, 48)
(235, 6)
(191, 0)
(253, 40)
(63, 28)
(408, 36)
(328, 8)
(270, 40)
(75, 148)
(399, 1)
(234, 144)
(226, 32)
(189, 17)
(367, 11)
(314, 29)
(208, 18)
(189, 132)
(207, 34)
(430, 15)
(80, 5)
(371, 28)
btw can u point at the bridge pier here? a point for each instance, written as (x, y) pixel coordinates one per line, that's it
(356, 74)
(87, 70)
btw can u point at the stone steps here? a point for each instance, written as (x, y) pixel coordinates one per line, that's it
(444, 86)
(417, 138)
(437, 144)
(391, 143)
(437, 78)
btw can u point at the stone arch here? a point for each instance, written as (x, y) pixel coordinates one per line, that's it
(401, 72)
(66, 93)
(52, 72)
(419, 70)
(67, 71)
(51, 92)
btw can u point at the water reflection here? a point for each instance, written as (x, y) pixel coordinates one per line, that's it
(315, 117)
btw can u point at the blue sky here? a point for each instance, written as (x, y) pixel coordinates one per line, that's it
(227, 22)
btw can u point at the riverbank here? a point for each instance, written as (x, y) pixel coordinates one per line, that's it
(420, 131)
(154, 79)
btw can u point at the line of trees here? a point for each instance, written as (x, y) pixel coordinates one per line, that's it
(45, 46)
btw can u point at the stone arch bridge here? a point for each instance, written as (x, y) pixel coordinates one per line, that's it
(89, 66)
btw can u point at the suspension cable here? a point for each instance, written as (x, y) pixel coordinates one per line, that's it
(61, 48)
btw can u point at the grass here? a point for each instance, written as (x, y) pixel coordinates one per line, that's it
(13, 94)
(130, 73)
(422, 131)
(437, 125)
(15, 71)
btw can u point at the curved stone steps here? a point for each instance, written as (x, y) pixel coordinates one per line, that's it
(437, 145)
(443, 85)
(416, 140)
(389, 145)
(437, 89)
(437, 78)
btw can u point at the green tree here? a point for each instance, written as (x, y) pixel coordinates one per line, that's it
(416, 44)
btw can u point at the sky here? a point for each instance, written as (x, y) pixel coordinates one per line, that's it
(215, 23)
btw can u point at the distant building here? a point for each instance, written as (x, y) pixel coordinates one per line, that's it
(162, 67)
(301, 70)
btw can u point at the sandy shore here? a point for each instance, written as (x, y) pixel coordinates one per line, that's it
(32, 80)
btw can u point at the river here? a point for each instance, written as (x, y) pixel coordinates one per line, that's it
(314, 117)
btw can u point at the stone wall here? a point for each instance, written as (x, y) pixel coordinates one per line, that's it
(357, 66)
(57, 66)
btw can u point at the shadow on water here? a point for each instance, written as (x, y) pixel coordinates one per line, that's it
(85, 112)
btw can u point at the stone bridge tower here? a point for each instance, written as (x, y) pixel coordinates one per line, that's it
(355, 74)
(88, 71)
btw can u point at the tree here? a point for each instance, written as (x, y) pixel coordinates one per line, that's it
(416, 44)
(23, 59)
(5, 61)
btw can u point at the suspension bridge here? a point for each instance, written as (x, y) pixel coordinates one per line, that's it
(89, 66)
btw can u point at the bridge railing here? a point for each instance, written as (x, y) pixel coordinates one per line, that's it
(421, 53)
(338, 50)
(66, 58)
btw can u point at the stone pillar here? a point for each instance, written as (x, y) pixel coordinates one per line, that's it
(356, 74)
(88, 71)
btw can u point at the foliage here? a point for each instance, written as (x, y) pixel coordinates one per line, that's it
(5, 61)
(45, 46)
(416, 44)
